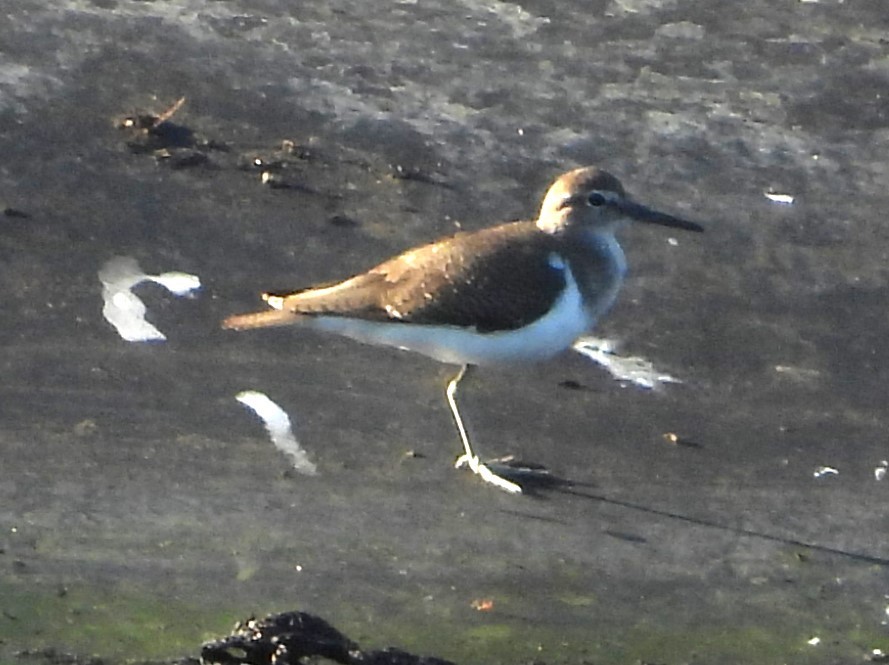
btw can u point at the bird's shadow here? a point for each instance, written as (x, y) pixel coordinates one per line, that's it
(537, 482)
(534, 479)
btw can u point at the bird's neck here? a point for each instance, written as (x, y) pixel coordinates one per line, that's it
(599, 266)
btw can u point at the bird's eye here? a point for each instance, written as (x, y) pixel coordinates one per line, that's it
(596, 199)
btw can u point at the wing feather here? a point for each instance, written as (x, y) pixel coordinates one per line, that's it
(500, 278)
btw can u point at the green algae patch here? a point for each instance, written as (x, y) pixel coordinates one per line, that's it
(743, 644)
(115, 624)
(491, 632)
(125, 622)
(577, 600)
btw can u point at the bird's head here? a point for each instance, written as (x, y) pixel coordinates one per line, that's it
(591, 199)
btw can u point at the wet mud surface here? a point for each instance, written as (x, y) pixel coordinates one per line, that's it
(143, 509)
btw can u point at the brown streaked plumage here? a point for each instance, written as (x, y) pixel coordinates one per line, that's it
(517, 291)
(495, 279)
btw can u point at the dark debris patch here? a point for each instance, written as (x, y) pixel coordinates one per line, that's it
(14, 213)
(288, 156)
(571, 384)
(416, 174)
(291, 637)
(285, 166)
(171, 143)
(149, 122)
(343, 221)
(676, 440)
(181, 158)
(281, 168)
(292, 167)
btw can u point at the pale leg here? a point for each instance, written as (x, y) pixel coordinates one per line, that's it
(468, 458)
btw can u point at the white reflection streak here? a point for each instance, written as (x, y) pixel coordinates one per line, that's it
(783, 199)
(634, 369)
(124, 309)
(277, 422)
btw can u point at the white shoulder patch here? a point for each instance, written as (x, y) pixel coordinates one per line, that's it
(556, 261)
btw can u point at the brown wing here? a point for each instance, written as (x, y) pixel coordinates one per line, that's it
(496, 279)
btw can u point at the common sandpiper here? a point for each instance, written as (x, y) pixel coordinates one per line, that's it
(516, 292)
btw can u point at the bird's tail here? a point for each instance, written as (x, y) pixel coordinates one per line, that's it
(266, 319)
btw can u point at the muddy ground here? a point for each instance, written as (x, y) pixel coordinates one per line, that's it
(143, 510)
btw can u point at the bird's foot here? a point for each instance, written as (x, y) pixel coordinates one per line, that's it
(484, 472)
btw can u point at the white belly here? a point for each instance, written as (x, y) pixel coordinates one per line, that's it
(549, 335)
